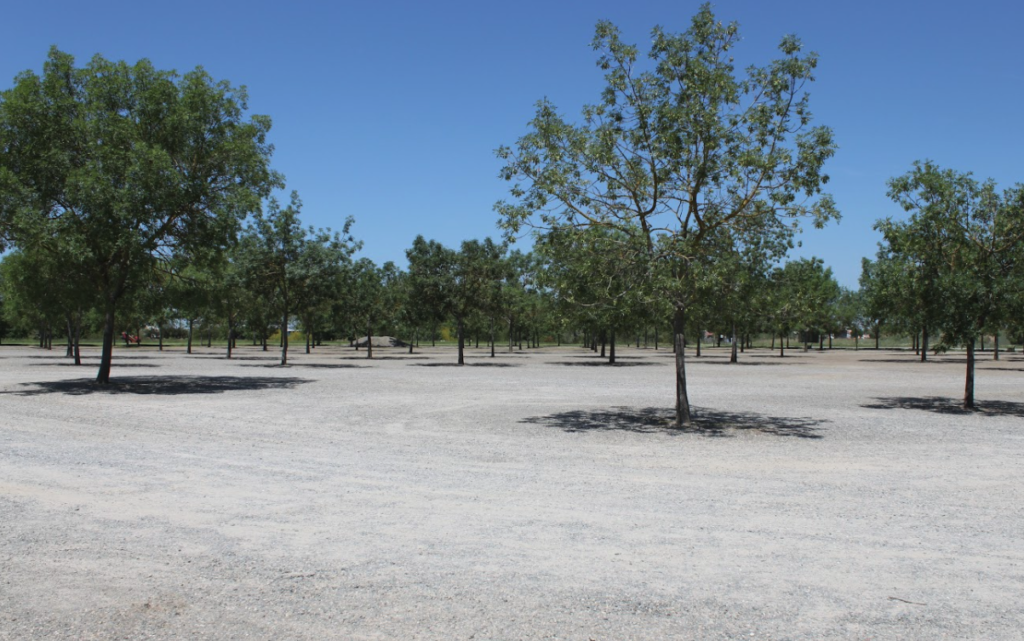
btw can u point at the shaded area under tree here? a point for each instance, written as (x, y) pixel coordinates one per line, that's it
(161, 385)
(943, 405)
(708, 422)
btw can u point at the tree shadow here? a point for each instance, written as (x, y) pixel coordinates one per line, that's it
(394, 358)
(605, 363)
(309, 365)
(707, 422)
(941, 405)
(93, 363)
(915, 360)
(467, 365)
(617, 356)
(160, 385)
(743, 362)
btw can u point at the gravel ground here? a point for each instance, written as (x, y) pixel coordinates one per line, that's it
(536, 495)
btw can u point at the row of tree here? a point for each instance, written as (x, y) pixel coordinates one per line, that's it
(676, 196)
(278, 275)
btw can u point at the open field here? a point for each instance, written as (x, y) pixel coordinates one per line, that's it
(539, 494)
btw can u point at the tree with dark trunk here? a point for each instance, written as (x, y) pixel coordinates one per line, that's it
(970, 238)
(674, 153)
(129, 165)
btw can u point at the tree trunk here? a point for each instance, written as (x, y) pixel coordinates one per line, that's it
(103, 376)
(611, 351)
(71, 348)
(284, 335)
(492, 338)
(604, 341)
(78, 338)
(733, 357)
(782, 345)
(462, 339)
(369, 338)
(878, 334)
(679, 342)
(415, 338)
(655, 339)
(924, 344)
(307, 339)
(995, 346)
(969, 384)
(231, 333)
(700, 339)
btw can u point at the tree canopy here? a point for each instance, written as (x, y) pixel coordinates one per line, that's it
(675, 151)
(125, 166)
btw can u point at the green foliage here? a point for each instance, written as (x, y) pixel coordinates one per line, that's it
(965, 242)
(125, 166)
(675, 153)
(291, 269)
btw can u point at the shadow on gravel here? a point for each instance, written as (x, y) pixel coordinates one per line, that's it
(941, 405)
(311, 365)
(604, 363)
(778, 361)
(467, 365)
(93, 363)
(649, 420)
(916, 360)
(396, 358)
(161, 385)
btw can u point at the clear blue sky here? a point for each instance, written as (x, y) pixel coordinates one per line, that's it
(390, 111)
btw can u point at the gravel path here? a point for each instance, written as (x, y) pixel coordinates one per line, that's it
(537, 495)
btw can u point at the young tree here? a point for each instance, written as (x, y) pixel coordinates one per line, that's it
(595, 278)
(123, 165)
(430, 269)
(676, 152)
(301, 266)
(972, 239)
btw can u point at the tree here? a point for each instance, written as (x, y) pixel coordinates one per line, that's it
(594, 278)
(850, 313)
(126, 165)
(430, 280)
(371, 303)
(47, 291)
(301, 266)
(676, 152)
(971, 238)
(812, 294)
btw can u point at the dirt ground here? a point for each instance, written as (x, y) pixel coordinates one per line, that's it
(536, 495)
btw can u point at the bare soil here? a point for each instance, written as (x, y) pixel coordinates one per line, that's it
(537, 495)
